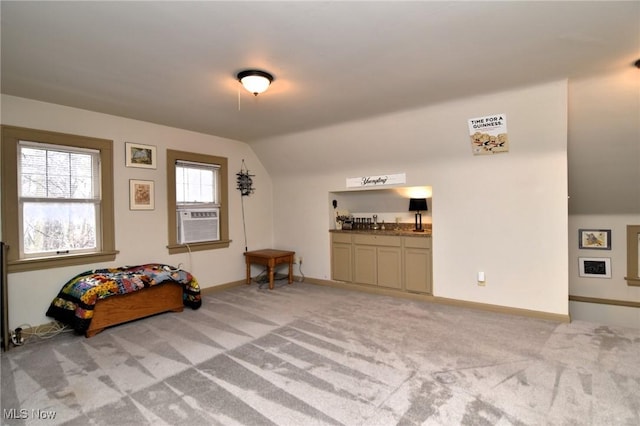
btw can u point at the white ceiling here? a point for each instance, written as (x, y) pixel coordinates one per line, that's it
(175, 63)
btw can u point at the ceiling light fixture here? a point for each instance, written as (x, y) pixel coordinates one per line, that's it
(255, 81)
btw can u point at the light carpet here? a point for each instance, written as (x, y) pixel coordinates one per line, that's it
(304, 354)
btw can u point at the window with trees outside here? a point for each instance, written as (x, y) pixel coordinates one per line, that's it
(197, 202)
(57, 200)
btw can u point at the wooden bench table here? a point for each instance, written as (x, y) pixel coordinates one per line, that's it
(270, 258)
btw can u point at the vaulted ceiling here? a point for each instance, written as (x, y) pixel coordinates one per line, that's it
(175, 63)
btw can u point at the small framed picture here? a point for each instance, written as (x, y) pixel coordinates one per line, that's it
(141, 195)
(137, 155)
(596, 239)
(595, 267)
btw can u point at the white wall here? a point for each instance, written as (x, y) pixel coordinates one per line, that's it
(604, 143)
(604, 133)
(505, 214)
(141, 236)
(614, 288)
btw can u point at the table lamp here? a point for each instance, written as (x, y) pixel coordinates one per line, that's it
(417, 205)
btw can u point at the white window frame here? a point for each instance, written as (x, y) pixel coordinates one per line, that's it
(11, 216)
(96, 200)
(215, 168)
(173, 206)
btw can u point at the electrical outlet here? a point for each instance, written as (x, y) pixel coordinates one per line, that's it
(481, 279)
(300, 260)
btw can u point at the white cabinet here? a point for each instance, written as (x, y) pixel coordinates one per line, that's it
(365, 269)
(390, 261)
(377, 260)
(417, 264)
(390, 267)
(341, 257)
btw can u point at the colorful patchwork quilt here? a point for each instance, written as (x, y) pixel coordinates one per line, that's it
(76, 300)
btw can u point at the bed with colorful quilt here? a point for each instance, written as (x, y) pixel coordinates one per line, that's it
(100, 298)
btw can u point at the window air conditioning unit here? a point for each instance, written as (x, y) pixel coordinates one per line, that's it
(198, 225)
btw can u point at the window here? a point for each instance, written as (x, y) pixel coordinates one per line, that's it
(196, 184)
(197, 202)
(57, 200)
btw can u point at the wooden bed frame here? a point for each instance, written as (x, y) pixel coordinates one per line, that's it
(122, 308)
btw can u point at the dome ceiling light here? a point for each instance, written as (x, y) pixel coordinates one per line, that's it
(255, 81)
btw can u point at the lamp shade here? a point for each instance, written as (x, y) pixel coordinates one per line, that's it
(418, 204)
(255, 81)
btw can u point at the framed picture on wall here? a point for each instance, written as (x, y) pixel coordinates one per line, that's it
(138, 155)
(141, 195)
(594, 239)
(595, 267)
